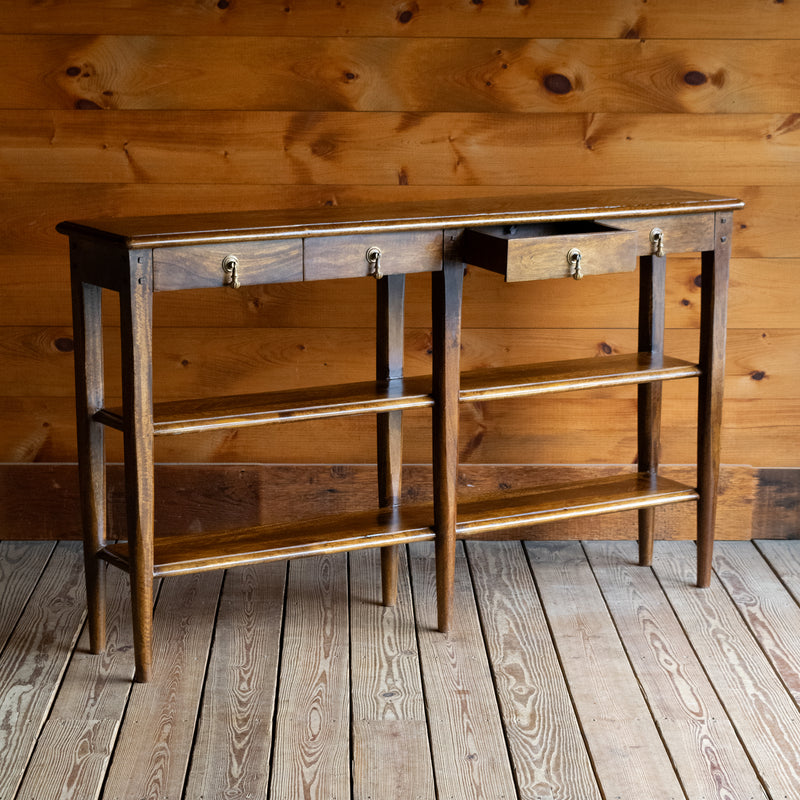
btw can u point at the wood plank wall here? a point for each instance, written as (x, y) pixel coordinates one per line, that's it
(147, 107)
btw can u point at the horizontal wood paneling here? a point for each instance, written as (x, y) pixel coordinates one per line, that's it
(396, 74)
(218, 105)
(418, 149)
(765, 228)
(576, 428)
(607, 19)
(192, 362)
(764, 293)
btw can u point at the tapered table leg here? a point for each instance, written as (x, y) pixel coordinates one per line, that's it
(652, 289)
(389, 365)
(446, 307)
(137, 402)
(88, 345)
(714, 288)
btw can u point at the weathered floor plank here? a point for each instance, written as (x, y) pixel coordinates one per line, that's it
(21, 565)
(570, 673)
(547, 749)
(624, 743)
(391, 754)
(701, 740)
(311, 756)
(770, 612)
(155, 740)
(755, 699)
(469, 755)
(35, 658)
(75, 747)
(230, 757)
(784, 557)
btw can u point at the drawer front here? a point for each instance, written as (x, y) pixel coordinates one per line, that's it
(536, 252)
(682, 233)
(200, 266)
(346, 256)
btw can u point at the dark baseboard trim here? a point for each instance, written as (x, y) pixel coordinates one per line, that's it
(40, 501)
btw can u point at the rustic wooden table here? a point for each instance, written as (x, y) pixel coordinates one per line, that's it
(529, 238)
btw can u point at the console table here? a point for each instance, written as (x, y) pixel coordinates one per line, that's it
(551, 236)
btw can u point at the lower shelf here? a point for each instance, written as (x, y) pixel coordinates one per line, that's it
(496, 516)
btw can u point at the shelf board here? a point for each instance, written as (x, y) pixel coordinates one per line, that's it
(497, 514)
(564, 376)
(185, 416)
(506, 511)
(198, 552)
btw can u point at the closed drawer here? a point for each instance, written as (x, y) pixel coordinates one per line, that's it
(542, 250)
(681, 233)
(346, 256)
(198, 266)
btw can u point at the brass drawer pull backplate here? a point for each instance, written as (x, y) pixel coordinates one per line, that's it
(574, 261)
(230, 266)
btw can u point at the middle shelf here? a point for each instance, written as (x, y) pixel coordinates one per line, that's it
(185, 416)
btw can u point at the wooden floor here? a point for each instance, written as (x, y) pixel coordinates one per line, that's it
(571, 673)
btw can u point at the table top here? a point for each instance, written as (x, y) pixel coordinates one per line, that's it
(189, 229)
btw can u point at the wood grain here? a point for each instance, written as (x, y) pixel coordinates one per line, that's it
(395, 73)
(21, 566)
(763, 294)
(767, 720)
(783, 558)
(152, 752)
(762, 226)
(544, 737)
(311, 756)
(769, 610)
(440, 147)
(529, 430)
(194, 362)
(606, 19)
(198, 497)
(234, 736)
(463, 714)
(702, 742)
(616, 722)
(35, 657)
(391, 755)
(74, 749)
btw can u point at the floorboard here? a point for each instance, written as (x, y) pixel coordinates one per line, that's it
(35, 657)
(469, 755)
(21, 566)
(231, 753)
(312, 732)
(155, 740)
(623, 739)
(700, 738)
(544, 737)
(75, 747)
(766, 718)
(389, 723)
(570, 673)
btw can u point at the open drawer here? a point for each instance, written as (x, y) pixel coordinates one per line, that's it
(550, 249)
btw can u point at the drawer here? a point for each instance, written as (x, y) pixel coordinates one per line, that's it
(681, 233)
(346, 256)
(542, 250)
(197, 266)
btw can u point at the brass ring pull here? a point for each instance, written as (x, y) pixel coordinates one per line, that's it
(374, 260)
(574, 261)
(657, 241)
(230, 266)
